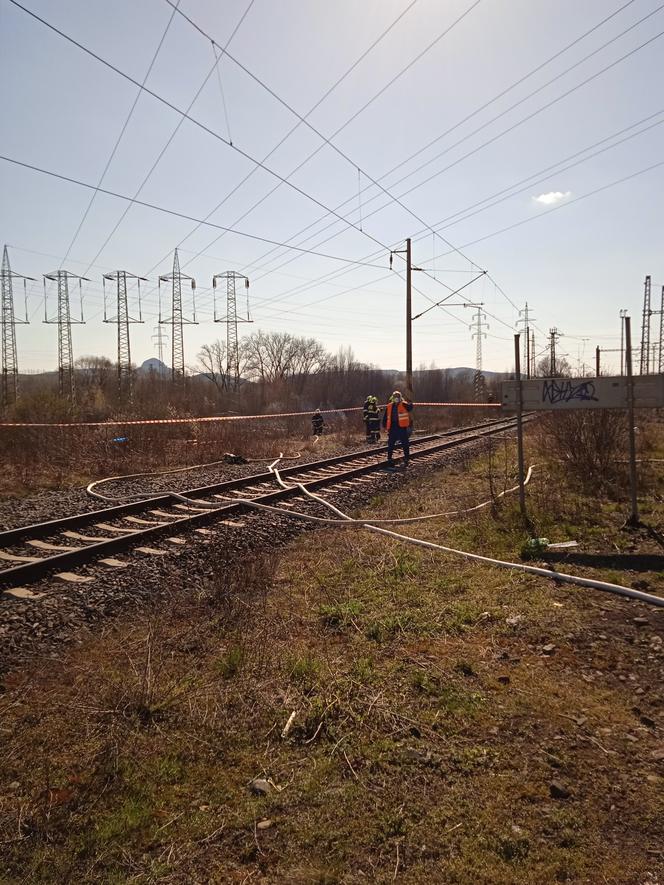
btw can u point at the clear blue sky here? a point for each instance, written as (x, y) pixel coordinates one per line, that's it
(577, 266)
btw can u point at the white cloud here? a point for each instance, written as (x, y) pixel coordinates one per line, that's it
(552, 198)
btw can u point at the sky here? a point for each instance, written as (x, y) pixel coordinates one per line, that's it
(514, 137)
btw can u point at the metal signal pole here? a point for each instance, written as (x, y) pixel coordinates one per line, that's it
(409, 318)
(409, 311)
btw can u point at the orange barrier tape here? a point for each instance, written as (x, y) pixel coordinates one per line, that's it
(146, 421)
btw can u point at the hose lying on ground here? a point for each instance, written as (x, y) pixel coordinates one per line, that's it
(476, 557)
(346, 521)
(90, 489)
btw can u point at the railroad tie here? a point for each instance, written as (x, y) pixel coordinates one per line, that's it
(23, 593)
(111, 562)
(14, 557)
(44, 545)
(152, 551)
(188, 509)
(113, 528)
(92, 539)
(73, 578)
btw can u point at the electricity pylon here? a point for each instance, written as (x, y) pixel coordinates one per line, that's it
(554, 335)
(479, 384)
(526, 319)
(64, 323)
(177, 318)
(123, 320)
(159, 338)
(231, 319)
(645, 329)
(9, 323)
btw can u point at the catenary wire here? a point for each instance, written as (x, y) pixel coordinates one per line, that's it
(478, 110)
(123, 129)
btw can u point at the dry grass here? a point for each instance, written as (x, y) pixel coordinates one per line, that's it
(57, 457)
(430, 722)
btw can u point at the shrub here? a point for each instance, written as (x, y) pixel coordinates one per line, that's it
(590, 443)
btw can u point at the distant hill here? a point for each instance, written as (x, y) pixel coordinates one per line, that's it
(152, 364)
(464, 372)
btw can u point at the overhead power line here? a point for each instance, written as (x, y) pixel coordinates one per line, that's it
(177, 214)
(504, 132)
(186, 115)
(455, 126)
(123, 129)
(300, 120)
(564, 205)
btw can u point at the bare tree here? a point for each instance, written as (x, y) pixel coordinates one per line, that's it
(213, 361)
(279, 356)
(563, 368)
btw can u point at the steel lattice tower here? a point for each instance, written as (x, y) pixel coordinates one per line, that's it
(159, 338)
(525, 320)
(123, 320)
(9, 323)
(554, 335)
(479, 384)
(64, 322)
(660, 354)
(177, 318)
(231, 319)
(645, 329)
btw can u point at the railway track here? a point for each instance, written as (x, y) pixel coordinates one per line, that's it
(32, 552)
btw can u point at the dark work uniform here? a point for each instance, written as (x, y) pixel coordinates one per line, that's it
(373, 423)
(317, 424)
(395, 433)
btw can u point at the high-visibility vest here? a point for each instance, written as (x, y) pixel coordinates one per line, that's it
(403, 415)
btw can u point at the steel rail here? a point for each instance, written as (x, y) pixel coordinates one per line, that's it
(29, 572)
(11, 537)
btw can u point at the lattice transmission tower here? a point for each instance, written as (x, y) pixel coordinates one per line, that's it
(124, 320)
(177, 318)
(232, 320)
(526, 319)
(645, 329)
(160, 339)
(660, 353)
(9, 323)
(64, 322)
(479, 382)
(554, 335)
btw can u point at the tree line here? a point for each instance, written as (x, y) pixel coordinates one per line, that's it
(278, 371)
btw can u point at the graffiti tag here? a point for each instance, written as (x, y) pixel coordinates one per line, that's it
(557, 391)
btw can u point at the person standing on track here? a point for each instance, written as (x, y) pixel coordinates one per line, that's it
(397, 420)
(372, 419)
(317, 423)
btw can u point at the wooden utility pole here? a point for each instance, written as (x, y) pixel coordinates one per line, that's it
(597, 362)
(409, 318)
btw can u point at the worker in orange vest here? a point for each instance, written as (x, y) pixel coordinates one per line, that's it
(397, 420)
